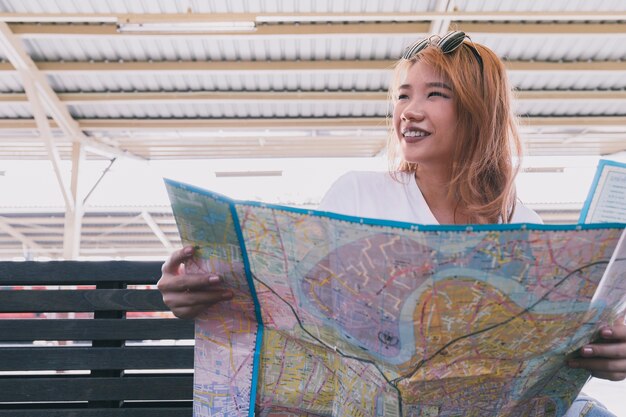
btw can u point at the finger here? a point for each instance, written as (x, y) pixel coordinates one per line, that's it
(172, 265)
(205, 298)
(604, 350)
(599, 365)
(617, 332)
(189, 282)
(176, 300)
(188, 312)
(619, 376)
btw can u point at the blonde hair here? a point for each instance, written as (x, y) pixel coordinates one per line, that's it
(482, 169)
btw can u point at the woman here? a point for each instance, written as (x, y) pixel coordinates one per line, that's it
(453, 139)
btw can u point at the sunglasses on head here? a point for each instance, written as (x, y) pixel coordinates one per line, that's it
(447, 44)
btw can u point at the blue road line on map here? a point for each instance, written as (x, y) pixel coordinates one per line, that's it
(257, 308)
(435, 227)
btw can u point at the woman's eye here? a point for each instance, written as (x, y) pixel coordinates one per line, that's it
(437, 94)
(402, 96)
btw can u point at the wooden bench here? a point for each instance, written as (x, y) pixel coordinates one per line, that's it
(92, 360)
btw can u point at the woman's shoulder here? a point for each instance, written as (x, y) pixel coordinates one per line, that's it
(374, 177)
(524, 214)
(357, 180)
(353, 189)
(365, 175)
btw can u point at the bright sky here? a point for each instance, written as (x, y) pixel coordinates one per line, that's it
(32, 184)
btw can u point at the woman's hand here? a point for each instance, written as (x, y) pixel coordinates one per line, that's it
(188, 295)
(606, 358)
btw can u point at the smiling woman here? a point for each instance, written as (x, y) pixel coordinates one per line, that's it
(453, 139)
(452, 146)
(468, 84)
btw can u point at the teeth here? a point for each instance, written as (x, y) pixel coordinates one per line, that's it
(415, 134)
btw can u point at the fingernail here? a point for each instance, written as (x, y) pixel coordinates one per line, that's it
(606, 333)
(188, 250)
(587, 351)
(214, 278)
(227, 295)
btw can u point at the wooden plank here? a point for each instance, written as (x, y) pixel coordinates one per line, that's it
(96, 329)
(78, 272)
(81, 300)
(169, 411)
(80, 358)
(157, 388)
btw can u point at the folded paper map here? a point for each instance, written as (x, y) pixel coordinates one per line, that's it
(606, 201)
(343, 316)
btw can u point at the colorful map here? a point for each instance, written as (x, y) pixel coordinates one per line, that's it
(342, 316)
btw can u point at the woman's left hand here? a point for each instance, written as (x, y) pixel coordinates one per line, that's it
(606, 358)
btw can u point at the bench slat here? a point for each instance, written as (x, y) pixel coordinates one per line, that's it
(183, 411)
(95, 358)
(78, 272)
(95, 329)
(106, 389)
(162, 388)
(81, 300)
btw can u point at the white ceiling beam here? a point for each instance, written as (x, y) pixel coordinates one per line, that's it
(541, 16)
(156, 229)
(337, 123)
(67, 68)
(24, 64)
(161, 142)
(213, 96)
(439, 25)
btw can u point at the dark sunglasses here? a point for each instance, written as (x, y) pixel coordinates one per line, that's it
(448, 43)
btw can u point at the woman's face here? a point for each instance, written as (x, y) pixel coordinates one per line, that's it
(424, 117)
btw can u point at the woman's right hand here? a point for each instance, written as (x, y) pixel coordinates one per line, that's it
(188, 295)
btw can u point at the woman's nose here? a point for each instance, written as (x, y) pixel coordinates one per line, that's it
(412, 112)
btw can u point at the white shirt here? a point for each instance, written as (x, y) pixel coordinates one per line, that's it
(377, 195)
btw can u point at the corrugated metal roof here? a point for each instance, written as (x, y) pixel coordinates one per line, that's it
(541, 5)
(15, 111)
(556, 47)
(10, 83)
(218, 48)
(548, 107)
(223, 81)
(511, 46)
(568, 80)
(301, 6)
(329, 80)
(234, 109)
(214, 6)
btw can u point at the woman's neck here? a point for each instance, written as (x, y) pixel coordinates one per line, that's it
(435, 187)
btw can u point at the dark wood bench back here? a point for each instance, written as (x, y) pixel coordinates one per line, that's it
(92, 359)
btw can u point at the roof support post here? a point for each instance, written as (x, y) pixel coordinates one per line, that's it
(29, 245)
(157, 230)
(22, 62)
(45, 132)
(73, 218)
